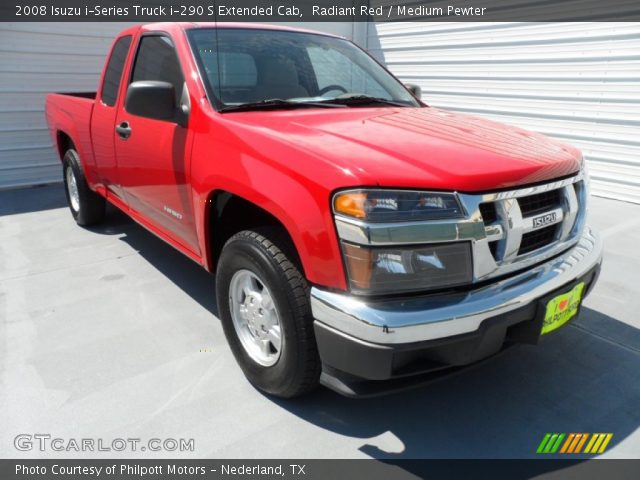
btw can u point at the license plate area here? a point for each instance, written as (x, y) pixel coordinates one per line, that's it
(563, 307)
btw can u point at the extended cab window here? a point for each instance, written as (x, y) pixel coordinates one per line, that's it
(157, 60)
(113, 74)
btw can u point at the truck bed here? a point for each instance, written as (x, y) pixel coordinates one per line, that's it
(90, 95)
(71, 113)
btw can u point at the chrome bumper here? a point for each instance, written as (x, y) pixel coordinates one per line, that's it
(429, 317)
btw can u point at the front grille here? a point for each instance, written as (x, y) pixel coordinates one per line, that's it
(493, 248)
(488, 212)
(489, 216)
(540, 203)
(537, 239)
(523, 226)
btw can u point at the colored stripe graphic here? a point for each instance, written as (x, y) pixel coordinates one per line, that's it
(574, 442)
(544, 441)
(605, 442)
(568, 442)
(550, 443)
(596, 446)
(584, 439)
(598, 443)
(591, 443)
(577, 439)
(556, 445)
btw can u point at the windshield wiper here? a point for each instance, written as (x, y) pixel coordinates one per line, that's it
(276, 103)
(356, 100)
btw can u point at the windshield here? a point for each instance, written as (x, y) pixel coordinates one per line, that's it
(241, 67)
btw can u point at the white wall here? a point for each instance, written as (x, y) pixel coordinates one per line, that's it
(579, 82)
(38, 58)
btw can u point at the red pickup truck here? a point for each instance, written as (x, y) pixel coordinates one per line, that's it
(360, 237)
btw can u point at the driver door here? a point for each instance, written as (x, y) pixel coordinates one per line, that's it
(153, 155)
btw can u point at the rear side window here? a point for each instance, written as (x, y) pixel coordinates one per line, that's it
(112, 76)
(157, 60)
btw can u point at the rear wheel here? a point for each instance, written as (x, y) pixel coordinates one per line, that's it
(87, 207)
(263, 301)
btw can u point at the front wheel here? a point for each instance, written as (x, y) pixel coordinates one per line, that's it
(263, 301)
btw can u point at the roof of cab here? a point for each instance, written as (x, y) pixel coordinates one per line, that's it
(173, 26)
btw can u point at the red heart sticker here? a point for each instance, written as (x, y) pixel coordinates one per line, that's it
(563, 305)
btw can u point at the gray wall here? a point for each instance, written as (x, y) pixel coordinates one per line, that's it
(38, 58)
(579, 82)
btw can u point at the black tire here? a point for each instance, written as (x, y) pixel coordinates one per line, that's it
(90, 208)
(297, 370)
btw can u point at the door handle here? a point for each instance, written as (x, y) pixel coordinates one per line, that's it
(124, 130)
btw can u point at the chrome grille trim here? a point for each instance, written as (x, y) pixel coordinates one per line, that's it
(572, 208)
(507, 230)
(545, 187)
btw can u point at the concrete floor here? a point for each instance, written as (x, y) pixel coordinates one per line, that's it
(110, 333)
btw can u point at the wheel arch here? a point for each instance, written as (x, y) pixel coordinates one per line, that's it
(64, 142)
(227, 213)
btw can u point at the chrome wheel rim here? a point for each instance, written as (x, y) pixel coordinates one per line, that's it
(72, 188)
(255, 318)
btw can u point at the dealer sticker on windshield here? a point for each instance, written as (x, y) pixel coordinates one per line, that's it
(562, 308)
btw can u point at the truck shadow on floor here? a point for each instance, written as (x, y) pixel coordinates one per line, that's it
(186, 274)
(32, 199)
(584, 378)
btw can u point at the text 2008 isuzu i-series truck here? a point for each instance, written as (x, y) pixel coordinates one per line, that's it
(359, 237)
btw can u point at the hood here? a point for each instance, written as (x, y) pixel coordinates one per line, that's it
(413, 148)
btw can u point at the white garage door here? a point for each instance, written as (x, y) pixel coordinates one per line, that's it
(579, 82)
(37, 58)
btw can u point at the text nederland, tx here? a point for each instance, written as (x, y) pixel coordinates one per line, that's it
(153, 470)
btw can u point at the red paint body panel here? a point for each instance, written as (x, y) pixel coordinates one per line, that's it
(289, 162)
(71, 115)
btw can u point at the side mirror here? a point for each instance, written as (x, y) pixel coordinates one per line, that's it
(152, 99)
(415, 90)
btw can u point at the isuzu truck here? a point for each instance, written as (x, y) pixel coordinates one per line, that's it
(360, 238)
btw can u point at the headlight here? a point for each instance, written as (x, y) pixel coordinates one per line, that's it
(379, 206)
(375, 270)
(379, 270)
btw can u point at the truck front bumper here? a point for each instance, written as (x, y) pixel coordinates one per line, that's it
(365, 341)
